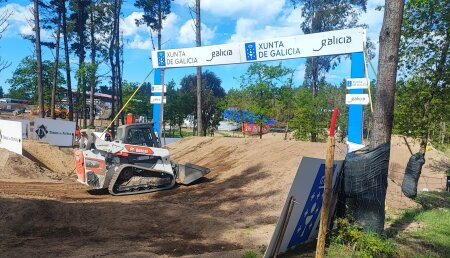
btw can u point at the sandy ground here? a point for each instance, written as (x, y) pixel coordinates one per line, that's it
(233, 209)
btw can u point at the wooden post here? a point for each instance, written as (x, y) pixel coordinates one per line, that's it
(320, 250)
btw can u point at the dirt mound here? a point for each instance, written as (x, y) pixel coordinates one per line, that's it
(57, 159)
(234, 207)
(16, 167)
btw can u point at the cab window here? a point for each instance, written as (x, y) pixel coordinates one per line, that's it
(140, 136)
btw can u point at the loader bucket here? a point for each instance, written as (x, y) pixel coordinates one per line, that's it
(188, 173)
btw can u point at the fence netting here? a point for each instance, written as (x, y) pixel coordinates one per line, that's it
(365, 184)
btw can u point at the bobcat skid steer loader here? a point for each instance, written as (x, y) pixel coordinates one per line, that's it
(132, 163)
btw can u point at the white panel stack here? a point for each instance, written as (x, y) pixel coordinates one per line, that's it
(11, 136)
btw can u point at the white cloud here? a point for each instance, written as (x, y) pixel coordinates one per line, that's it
(187, 33)
(139, 37)
(253, 9)
(139, 43)
(128, 24)
(288, 24)
(21, 21)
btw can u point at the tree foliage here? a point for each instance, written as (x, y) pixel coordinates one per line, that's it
(212, 94)
(140, 105)
(23, 83)
(424, 94)
(260, 85)
(326, 15)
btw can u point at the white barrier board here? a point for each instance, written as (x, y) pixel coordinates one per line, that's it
(157, 99)
(357, 99)
(11, 136)
(307, 189)
(55, 132)
(357, 83)
(317, 44)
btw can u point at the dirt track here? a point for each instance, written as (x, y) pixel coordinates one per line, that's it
(234, 208)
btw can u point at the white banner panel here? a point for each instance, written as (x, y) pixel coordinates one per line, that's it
(158, 88)
(55, 132)
(157, 100)
(357, 99)
(357, 83)
(25, 128)
(11, 136)
(317, 44)
(307, 189)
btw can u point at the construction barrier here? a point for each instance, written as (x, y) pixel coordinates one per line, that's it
(11, 136)
(299, 220)
(254, 128)
(55, 132)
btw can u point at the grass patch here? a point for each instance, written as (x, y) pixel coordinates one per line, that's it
(250, 254)
(425, 231)
(420, 232)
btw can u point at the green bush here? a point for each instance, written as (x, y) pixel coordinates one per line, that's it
(359, 243)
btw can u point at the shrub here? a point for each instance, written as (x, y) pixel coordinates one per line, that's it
(362, 244)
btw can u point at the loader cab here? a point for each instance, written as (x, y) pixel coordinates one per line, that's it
(138, 134)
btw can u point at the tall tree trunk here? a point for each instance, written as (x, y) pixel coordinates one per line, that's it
(55, 68)
(383, 114)
(66, 54)
(113, 66)
(92, 78)
(82, 79)
(315, 76)
(198, 41)
(37, 30)
(118, 75)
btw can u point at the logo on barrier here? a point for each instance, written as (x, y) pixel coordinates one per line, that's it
(41, 131)
(335, 40)
(250, 51)
(1, 136)
(161, 58)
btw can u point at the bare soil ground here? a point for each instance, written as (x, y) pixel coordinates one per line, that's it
(234, 208)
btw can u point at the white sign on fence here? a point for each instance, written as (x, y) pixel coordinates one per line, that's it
(316, 44)
(158, 88)
(55, 132)
(357, 83)
(157, 100)
(307, 189)
(356, 99)
(11, 136)
(25, 128)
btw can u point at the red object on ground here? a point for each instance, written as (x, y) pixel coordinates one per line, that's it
(333, 121)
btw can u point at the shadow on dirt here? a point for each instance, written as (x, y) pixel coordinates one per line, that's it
(186, 220)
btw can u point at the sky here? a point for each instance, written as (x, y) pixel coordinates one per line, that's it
(223, 21)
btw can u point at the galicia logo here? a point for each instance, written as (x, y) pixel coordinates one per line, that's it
(250, 51)
(334, 41)
(41, 131)
(219, 53)
(161, 58)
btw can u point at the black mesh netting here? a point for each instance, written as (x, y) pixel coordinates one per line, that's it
(412, 174)
(365, 183)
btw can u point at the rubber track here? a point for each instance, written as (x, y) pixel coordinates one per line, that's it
(117, 174)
